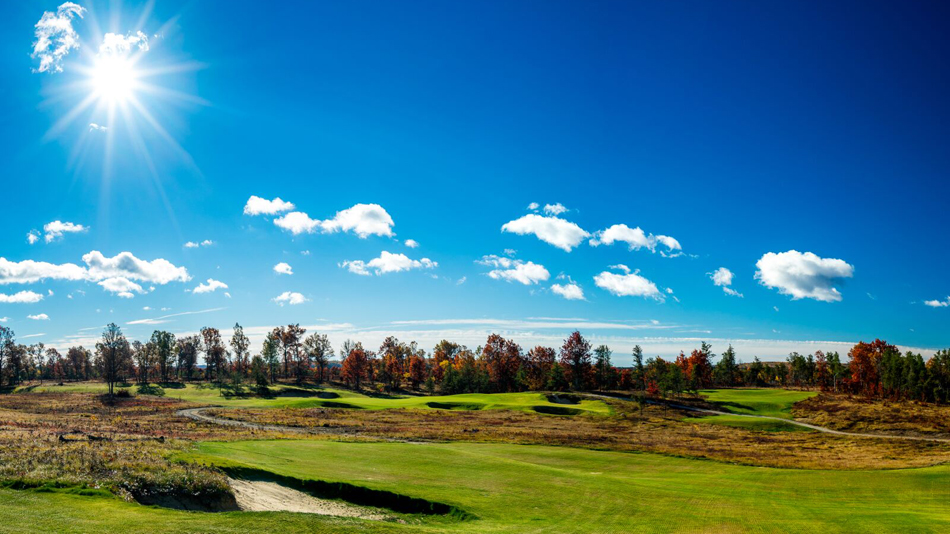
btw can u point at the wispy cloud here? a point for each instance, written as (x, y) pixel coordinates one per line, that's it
(55, 37)
(164, 318)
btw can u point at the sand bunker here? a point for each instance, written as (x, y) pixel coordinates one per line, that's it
(260, 496)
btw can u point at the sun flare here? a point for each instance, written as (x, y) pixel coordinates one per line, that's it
(114, 79)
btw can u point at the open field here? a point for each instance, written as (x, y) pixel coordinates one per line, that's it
(610, 469)
(535, 489)
(292, 396)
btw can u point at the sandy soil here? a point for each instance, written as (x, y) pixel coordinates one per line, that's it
(259, 496)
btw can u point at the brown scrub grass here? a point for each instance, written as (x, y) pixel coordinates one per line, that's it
(659, 430)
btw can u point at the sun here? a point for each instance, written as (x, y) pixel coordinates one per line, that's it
(114, 79)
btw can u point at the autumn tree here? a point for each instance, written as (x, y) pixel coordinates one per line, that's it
(418, 371)
(603, 371)
(187, 358)
(443, 351)
(77, 363)
(865, 365)
(214, 352)
(538, 365)
(575, 354)
(319, 351)
(163, 343)
(240, 348)
(113, 355)
(502, 360)
(356, 366)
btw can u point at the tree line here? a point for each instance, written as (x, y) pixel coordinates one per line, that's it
(874, 369)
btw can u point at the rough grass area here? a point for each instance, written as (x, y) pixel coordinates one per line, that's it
(306, 396)
(765, 402)
(857, 414)
(659, 430)
(513, 488)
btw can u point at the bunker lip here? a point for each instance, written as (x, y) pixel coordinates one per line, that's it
(381, 501)
(265, 496)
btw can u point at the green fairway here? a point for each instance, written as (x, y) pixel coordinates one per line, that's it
(512, 488)
(288, 396)
(767, 402)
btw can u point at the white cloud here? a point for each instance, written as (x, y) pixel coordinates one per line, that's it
(261, 206)
(4, 319)
(510, 270)
(147, 308)
(937, 303)
(56, 229)
(283, 268)
(122, 287)
(210, 286)
(96, 127)
(116, 274)
(570, 291)
(461, 280)
(289, 297)
(125, 264)
(195, 244)
(38, 317)
(722, 277)
(191, 244)
(629, 284)
(554, 209)
(387, 263)
(164, 318)
(534, 206)
(563, 234)
(636, 238)
(802, 275)
(117, 45)
(363, 220)
(297, 222)
(22, 297)
(412, 243)
(55, 37)
(32, 237)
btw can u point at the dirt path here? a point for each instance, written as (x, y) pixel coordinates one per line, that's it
(260, 496)
(789, 421)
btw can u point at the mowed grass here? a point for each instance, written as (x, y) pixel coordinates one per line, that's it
(290, 396)
(517, 488)
(766, 402)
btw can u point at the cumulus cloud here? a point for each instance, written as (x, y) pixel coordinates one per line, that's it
(55, 230)
(97, 128)
(283, 268)
(122, 287)
(636, 239)
(412, 243)
(290, 297)
(38, 317)
(570, 291)
(802, 275)
(387, 263)
(511, 270)
(55, 37)
(554, 209)
(534, 206)
(196, 244)
(116, 274)
(628, 284)
(118, 45)
(937, 303)
(563, 234)
(261, 206)
(363, 220)
(32, 237)
(210, 286)
(22, 297)
(722, 277)
(4, 319)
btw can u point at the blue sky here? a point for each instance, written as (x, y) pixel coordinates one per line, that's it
(801, 147)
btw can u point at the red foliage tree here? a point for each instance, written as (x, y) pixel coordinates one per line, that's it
(355, 367)
(576, 355)
(865, 367)
(502, 358)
